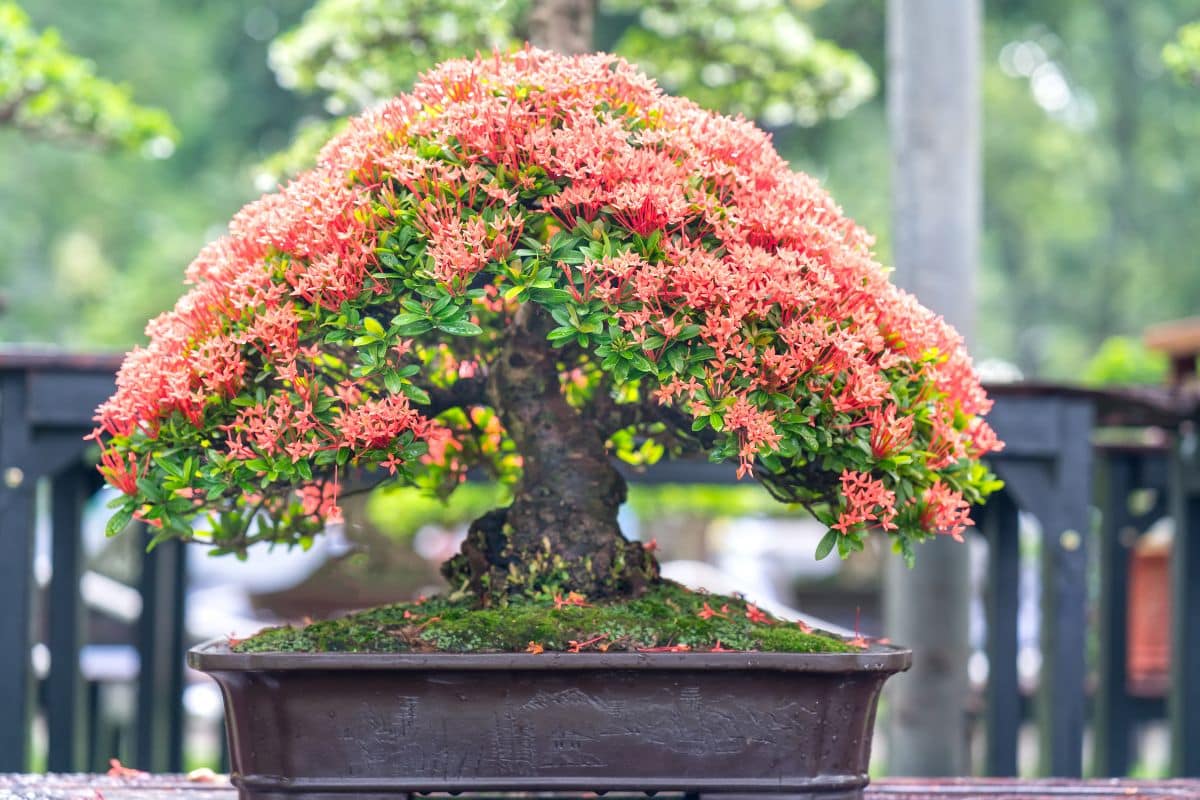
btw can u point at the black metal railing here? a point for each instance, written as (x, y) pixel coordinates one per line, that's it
(46, 406)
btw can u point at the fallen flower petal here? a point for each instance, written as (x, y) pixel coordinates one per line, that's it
(578, 646)
(202, 775)
(670, 648)
(117, 770)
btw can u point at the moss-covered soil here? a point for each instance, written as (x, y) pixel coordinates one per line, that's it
(668, 618)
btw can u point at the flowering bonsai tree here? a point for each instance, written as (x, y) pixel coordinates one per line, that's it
(528, 265)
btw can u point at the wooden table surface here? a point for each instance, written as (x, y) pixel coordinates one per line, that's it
(162, 787)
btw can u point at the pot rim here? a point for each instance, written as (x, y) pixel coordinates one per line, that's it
(216, 656)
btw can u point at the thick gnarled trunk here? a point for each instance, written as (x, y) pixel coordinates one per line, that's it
(561, 532)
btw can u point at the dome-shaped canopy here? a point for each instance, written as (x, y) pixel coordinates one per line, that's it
(704, 297)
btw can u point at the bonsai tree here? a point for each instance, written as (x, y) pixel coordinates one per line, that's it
(528, 265)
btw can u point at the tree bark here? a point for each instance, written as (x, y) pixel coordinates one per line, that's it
(562, 25)
(561, 532)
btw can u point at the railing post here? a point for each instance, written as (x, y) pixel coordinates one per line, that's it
(160, 648)
(16, 516)
(1113, 715)
(1183, 703)
(1066, 529)
(65, 696)
(1000, 525)
(1046, 466)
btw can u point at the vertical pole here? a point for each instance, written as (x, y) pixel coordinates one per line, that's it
(65, 699)
(1066, 530)
(933, 113)
(177, 640)
(1113, 715)
(1183, 702)
(1000, 525)
(160, 650)
(563, 25)
(17, 486)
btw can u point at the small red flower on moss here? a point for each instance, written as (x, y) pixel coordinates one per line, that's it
(572, 599)
(708, 613)
(756, 615)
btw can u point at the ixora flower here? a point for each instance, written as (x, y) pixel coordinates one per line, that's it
(526, 265)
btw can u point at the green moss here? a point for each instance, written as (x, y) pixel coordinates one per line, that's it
(667, 616)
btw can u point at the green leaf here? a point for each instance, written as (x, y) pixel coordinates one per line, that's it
(643, 363)
(653, 342)
(551, 296)
(677, 359)
(415, 393)
(461, 328)
(825, 546)
(407, 318)
(118, 521)
(415, 328)
(373, 327)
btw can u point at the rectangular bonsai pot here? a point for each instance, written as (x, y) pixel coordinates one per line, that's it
(309, 726)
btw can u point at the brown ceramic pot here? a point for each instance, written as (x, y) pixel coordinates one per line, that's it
(316, 726)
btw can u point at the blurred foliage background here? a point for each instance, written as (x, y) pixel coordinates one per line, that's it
(1090, 154)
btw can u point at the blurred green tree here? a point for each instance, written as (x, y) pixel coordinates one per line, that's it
(1090, 158)
(1125, 361)
(759, 58)
(1089, 149)
(1183, 54)
(47, 91)
(93, 243)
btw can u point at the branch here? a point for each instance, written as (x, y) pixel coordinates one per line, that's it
(462, 393)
